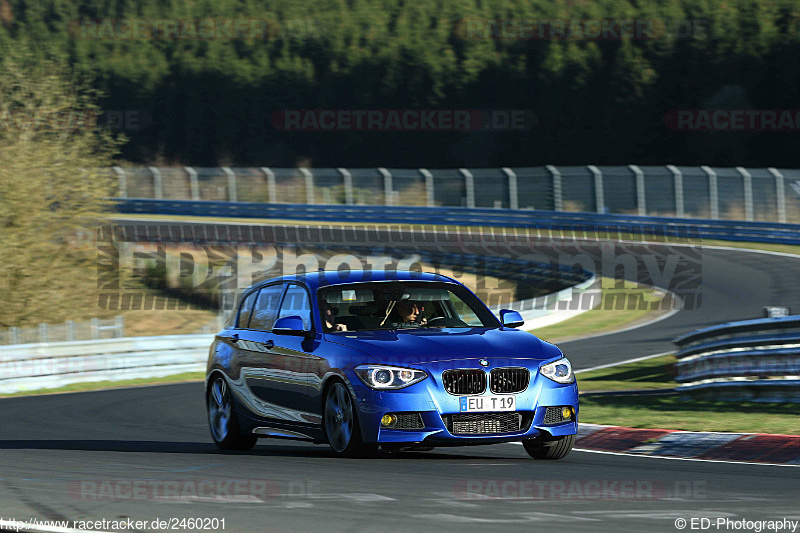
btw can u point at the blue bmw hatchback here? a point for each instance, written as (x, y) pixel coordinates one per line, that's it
(398, 360)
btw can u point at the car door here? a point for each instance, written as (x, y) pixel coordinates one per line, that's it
(293, 357)
(255, 357)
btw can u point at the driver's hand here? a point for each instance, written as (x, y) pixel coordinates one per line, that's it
(339, 327)
(423, 321)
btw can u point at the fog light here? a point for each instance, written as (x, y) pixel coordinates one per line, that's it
(566, 413)
(388, 420)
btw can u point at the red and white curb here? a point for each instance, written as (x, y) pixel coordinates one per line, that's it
(735, 447)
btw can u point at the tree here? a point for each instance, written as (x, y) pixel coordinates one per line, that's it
(54, 183)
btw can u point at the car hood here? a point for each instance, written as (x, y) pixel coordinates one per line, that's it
(408, 347)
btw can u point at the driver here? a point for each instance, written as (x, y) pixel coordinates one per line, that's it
(409, 313)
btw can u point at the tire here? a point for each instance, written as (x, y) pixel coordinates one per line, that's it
(222, 418)
(553, 448)
(341, 424)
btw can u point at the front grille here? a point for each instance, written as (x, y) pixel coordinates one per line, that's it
(509, 380)
(408, 421)
(464, 381)
(552, 415)
(485, 423)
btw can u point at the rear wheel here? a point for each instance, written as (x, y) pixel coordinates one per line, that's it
(341, 424)
(222, 418)
(551, 448)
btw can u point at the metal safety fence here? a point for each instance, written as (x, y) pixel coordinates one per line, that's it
(751, 360)
(714, 193)
(93, 329)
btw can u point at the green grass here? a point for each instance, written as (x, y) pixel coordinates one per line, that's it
(673, 412)
(655, 373)
(640, 304)
(103, 385)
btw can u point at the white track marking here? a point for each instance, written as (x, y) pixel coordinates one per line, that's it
(635, 360)
(675, 458)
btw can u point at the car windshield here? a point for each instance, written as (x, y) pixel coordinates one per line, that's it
(401, 305)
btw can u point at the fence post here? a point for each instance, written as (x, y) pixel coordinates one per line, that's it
(469, 184)
(232, 193)
(94, 325)
(194, 187)
(272, 190)
(678, 178)
(348, 185)
(780, 194)
(158, 185)
(713, 192)
(119, 323)
(43, 333)
(558, 201)
(430, 200)
(599, 199)
(513, 191)
(748, 193)
(123, 182)
(72, 333)
(13, 335)
(388, 191)
(641, 198)
(309, 184)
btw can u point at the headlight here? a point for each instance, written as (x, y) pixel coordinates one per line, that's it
(388, 377)
(559, 371)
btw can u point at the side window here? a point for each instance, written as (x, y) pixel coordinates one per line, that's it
(266, 307)
(246, 310)
(297, 302)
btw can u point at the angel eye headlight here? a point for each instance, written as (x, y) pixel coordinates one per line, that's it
(388, 377)
(559, 371)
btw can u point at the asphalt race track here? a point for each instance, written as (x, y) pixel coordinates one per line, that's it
(76, 456)
(735, 286)
(160, 434)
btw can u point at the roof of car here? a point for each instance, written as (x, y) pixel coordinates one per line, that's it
(325, 278)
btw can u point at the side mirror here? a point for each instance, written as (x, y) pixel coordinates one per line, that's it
(290, 325)
(511, 319)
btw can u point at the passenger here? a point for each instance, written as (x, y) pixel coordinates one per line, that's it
(329, 319)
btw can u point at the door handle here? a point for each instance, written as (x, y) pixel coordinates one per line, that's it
(235, 338)
(269, 344)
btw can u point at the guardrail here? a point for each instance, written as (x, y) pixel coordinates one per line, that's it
(751, 360)
(752, 194)
(564, 222)
(93, 329)
(27, 367)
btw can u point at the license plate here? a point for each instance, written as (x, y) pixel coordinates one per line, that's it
(485, 404)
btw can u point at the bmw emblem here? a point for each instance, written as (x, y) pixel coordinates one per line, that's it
(484, 362)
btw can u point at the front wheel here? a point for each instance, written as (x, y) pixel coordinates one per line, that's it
(341, 424)
(553, 448)
(222, 418)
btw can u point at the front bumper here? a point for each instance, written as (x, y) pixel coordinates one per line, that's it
(429, 398)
